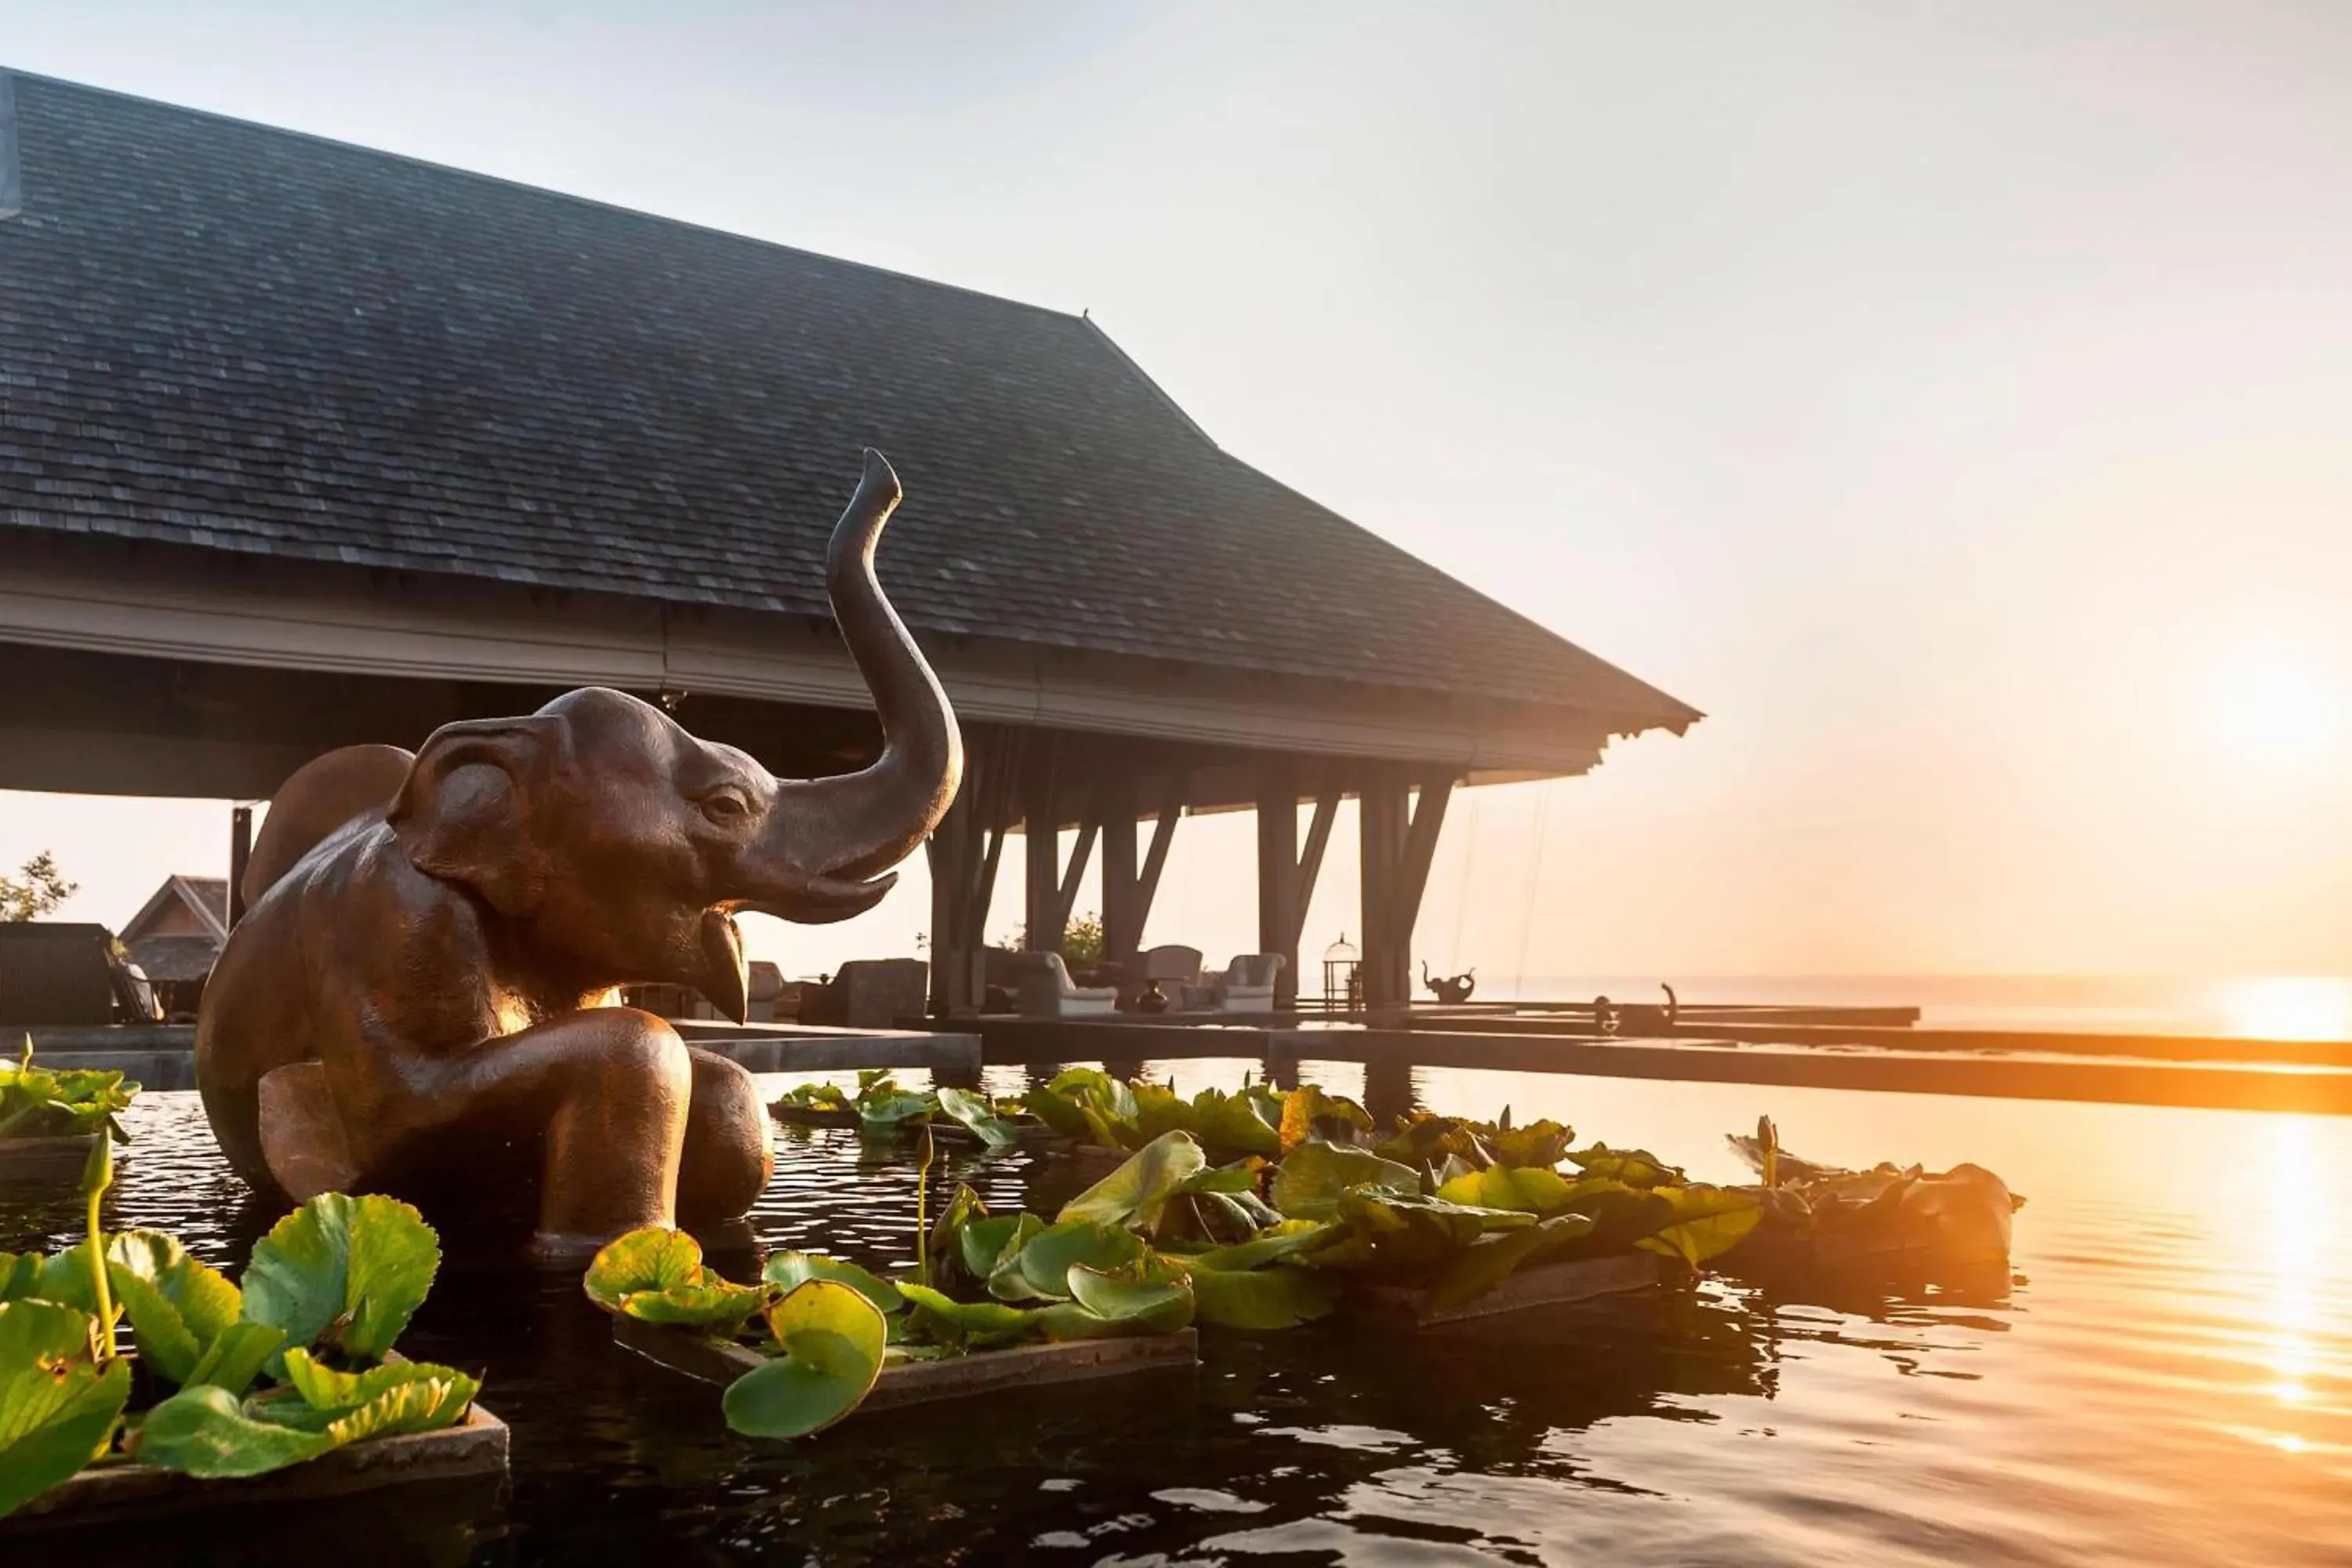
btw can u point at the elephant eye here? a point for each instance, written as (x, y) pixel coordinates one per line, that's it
(725, 807)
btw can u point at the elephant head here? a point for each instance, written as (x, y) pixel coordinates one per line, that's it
(610, 847)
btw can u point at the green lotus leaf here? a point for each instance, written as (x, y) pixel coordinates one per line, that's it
(1401, 1236)
(1281, 1240)
(1539, 1145)
(654, 1259)
(324, 1388)
(1425, 1138)
(1311, 1116)
(966, 1325)
(943, 1258)
(203, 1431)
(972, 1111)
(1270, 1297)
(37, 1330)
(791, 1269)
(1530, 1189)
(1135, 1193)
(1059, 1112)
(885, 1110)
(177, 1305)
(1488, 1261)
(235, 1359)
(20, 1275)
(1706, 1222)
(716, 1305)
(833, 1340)
(1092, 1086)
(357, 1268)
(1155, 1300)
(1229, 1125)
(1313, 1176)
(988, 1245)
(1158, 1110)
(420, 1405)
(1041, 1269)
(57, 1409)
(1108, 1131)
(1634, 1167)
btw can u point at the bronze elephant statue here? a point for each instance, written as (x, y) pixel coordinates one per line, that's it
(421, 999)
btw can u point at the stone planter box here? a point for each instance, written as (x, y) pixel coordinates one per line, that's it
(922, 1381)
(1546, 1285)
(474, 1450)
(44, 1161)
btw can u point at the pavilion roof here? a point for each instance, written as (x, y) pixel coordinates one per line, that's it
(221, 335)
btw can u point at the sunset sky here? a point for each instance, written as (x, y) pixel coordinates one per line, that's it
(1955, 401)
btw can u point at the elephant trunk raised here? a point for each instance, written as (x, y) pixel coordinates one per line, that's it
(830, 841)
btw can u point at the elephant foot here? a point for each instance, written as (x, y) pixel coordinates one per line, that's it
(731, 1148)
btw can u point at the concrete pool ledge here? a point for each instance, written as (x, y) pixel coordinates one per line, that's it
(163, 1055)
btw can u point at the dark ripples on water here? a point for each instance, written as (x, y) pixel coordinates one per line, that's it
(2168, 1380)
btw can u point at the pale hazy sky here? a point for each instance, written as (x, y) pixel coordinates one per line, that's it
(1955, 400)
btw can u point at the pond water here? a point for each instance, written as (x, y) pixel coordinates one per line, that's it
(2167, 1378)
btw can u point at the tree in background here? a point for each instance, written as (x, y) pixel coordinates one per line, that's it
(1081, 946)
(36, 889)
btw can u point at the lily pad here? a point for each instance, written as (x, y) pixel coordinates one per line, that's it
(966, 1325)
(1135, 1193)
(1278, 1297)
(1706, 1222)
(1309, 1115)
(178, 1306)
(1041, 1269)
(1530, 1189)
(655, 1258)
(1491, 1259)
(833, 1342)
(791, 1269)
(355, 1268)
(1314, 1175)
(203, 1431)
(972, 1111)
(1634, 1167)
(1154, 1300)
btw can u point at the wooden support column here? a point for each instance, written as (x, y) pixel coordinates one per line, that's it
(964, 852)
(1287, 874)
(1399, 838)
(1122, 923)
(240, 853)
(1380, 812)
(1041, 915)
(1279, 903)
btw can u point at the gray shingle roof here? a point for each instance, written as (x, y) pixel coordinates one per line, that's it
(219, 334)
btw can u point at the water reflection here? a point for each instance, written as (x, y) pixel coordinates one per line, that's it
(2176, 1342)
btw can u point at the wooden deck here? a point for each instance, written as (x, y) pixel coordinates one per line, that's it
(2313, 1078)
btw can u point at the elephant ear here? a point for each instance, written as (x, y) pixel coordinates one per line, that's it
(464, 813)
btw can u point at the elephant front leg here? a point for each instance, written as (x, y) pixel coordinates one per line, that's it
(731, 1146)
(609, 1090)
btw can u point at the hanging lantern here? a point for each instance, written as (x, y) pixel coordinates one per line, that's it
(1343, 978)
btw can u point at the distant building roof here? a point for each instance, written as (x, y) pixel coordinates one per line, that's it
(167, 959)
(240, 339)
(204, 899)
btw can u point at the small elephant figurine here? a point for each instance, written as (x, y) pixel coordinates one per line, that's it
(421, 999)
(1454, 992)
